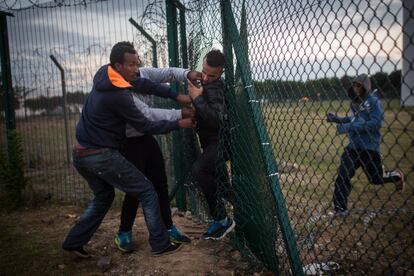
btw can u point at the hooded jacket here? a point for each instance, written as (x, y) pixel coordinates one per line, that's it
(363, 126)
(110, 106)
(211, 113)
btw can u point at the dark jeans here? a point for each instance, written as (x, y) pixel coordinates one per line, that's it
(145, 154)
(103, 172)
(351, 160)
(208, 172)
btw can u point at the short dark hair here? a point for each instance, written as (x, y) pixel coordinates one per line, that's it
(118, 51)
(215, 58)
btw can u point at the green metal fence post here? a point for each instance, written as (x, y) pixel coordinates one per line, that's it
(266, 152)
(189, 136)
(150, 39)
(172, 37)
(6, 77)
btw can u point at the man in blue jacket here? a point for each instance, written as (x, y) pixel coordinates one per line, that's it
(363, 130)
(99, 132)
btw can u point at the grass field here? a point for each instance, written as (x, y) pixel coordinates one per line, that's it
(375, 235)
(379, 226)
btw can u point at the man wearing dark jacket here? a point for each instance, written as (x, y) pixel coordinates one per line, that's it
(143, 151)
(209, 168)
(99, 132)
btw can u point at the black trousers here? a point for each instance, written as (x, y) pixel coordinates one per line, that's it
(208, 171)
(351, 160)
(145, 154)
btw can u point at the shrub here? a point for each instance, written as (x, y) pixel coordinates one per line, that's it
(12, 179)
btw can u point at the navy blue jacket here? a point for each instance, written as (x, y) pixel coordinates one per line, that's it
(110, 106)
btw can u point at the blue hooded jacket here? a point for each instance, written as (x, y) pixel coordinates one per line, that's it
(110, 106)
(363, 127)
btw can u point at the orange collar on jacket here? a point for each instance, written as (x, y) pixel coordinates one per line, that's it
(116, 79)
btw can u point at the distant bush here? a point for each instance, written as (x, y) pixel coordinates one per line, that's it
(12, 179)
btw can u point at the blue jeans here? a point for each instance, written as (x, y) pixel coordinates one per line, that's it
(103, 172)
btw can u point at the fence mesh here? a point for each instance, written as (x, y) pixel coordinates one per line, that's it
(79, 34)
(289, 63)
(302, 58)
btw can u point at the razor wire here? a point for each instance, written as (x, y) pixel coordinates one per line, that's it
(79, 34)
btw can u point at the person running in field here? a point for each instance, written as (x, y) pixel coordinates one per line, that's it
(363, 150)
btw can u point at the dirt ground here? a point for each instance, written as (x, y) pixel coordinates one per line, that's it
(30, 242)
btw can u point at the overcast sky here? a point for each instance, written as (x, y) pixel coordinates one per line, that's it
(325, 38)
(287, 39)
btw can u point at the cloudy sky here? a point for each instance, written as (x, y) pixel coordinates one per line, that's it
(287, 39)
(79, 36)
(318, 38)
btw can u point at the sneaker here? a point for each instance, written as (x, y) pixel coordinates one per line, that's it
(176, 236)
(123, 241)
(217, 231)
(400, 184)
(338, 212)
(79, 252)
(172, 248)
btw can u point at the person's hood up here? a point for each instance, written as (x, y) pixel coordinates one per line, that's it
(363, 80)
(107, 79)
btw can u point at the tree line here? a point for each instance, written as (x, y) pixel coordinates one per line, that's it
(387, 85)
(21, 99)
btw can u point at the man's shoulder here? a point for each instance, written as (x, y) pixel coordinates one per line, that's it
(373, 100)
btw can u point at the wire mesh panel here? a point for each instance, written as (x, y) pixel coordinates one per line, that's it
(304, 57)
(79, 35)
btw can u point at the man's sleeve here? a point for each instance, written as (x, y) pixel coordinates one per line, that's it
(146, 86)
(157, 114)
(343, 120)
(125, 108)
(376, 116)
(163, 75)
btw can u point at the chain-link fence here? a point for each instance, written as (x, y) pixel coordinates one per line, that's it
(289, 63)
(294, 62)
(79, 36)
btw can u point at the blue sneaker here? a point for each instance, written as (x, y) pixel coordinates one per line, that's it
(176, 236)
(123, 241)
(217, 230)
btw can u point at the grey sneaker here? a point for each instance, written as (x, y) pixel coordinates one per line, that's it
(338, 212)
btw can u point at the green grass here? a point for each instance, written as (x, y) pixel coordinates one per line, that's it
(299, 134)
